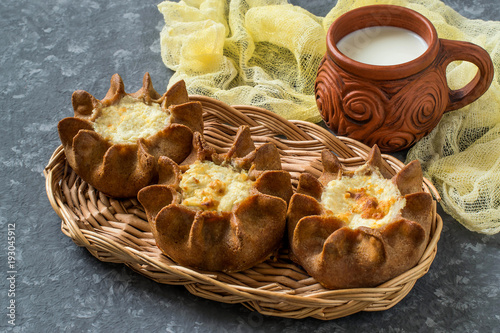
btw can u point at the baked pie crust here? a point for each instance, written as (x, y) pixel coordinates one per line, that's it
(341, 255)
(229, 240)
(121, 169)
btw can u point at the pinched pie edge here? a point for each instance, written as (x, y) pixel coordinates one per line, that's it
(340, 257)
(221, 241)
(122, 169)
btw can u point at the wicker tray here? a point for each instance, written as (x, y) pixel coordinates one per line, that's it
(117, 230)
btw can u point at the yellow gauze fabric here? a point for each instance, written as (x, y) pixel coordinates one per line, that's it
(266, 53)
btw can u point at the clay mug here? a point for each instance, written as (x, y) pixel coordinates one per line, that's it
(394, 106)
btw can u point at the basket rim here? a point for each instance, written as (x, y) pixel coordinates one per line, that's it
(208, 279)
(350, 149)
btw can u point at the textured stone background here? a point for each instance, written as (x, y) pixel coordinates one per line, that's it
(52, 48)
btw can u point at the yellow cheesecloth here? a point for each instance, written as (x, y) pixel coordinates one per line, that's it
(266, 53)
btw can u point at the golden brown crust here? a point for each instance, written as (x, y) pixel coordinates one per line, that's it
(242, 146)
(188, 114)
(83, 104)
(341, 257)
(375, 160)
(301, 205)
(308, 184)
(201, 151)
(275, 183)
(410, 178)
(155, 197)
(121, 170)
(177, 94)
(221, 241)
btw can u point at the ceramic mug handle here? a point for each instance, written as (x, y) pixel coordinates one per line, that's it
(452, 50)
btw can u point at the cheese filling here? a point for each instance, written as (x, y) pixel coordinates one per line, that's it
(129, 120)
(363, 200)
(208, 186)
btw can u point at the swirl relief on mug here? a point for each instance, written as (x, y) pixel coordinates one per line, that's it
(419, 100)
(364, 109)
(328, 99)
(392, 114)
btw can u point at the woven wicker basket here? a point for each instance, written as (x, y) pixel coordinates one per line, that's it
(117, 230)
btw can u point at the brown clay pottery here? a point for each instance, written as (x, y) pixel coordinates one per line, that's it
(393, 105)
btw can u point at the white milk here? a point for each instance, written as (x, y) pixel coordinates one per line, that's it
(382, 45)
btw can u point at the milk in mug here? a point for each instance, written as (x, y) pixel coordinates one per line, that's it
(382, 45)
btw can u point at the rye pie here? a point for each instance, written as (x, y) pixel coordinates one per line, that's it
(114, 144)
(359, 228)
(220, 212)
